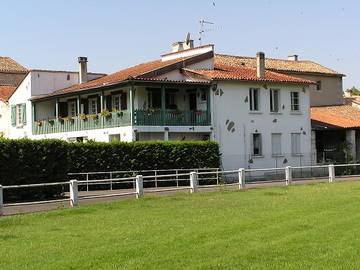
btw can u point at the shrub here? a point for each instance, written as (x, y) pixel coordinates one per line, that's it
(44, 161)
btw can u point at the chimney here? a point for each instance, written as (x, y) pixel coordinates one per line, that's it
(82, 69)
(260, 65)
(293, 57)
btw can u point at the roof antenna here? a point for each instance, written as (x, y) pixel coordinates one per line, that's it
(203, 30)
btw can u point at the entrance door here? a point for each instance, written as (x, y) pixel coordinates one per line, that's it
(192, 101)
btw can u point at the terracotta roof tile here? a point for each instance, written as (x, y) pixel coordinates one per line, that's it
(341, 116)
(135, 71)
(9, 65)
(226, 72)
(275, 64)
(6, 92)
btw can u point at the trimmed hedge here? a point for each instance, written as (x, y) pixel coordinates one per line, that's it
(44, 161)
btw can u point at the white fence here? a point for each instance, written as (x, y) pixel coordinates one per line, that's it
(194, 179)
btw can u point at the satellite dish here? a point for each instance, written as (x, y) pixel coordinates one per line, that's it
(187, 40)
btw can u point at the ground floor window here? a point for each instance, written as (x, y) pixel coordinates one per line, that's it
(256, 144)
(295, 143)
(114, 138)
(276, 144)
(77, 139)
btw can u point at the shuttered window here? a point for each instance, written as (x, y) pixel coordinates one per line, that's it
(295, 143)
(276, 144)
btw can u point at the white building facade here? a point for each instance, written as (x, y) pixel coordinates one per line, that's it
(260, 118)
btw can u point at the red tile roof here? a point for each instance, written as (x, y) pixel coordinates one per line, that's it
(276, 64)
(226, 72)
(133, 72)
(7, 64)
(341, 116)
(6, 92)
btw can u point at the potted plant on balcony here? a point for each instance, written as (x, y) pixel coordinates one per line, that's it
(60, 119)
(154, 111)
(38, 123)
(69, 119)
(50, 121)
(82, 116)
(93, 116)
(106, 113)
(176, 112)
(198, 112)
(118, 112)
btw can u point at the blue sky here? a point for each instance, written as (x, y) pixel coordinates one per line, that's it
(117, 34)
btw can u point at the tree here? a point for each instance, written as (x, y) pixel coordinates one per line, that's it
(354, 91)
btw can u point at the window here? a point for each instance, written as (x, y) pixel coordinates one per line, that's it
(93, 105)
(203, 95)
(72, 108)
(155, 98)
(318, 85)
(254, 99)
(276, 144)
(18, 114)
(274, 100)
(256, 144)
(295, 102)
(170, 101)
(116, 102)
(295, 143)
(114, 138)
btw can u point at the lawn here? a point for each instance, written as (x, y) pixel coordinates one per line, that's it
(299, 227)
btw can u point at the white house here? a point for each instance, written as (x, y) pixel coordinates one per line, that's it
(260, 118)
(11, 74)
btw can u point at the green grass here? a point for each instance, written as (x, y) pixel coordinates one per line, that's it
(298, 227)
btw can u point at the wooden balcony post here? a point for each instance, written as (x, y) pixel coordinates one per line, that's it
(33, 116)
(78, 105)
(57, 108)
(132, 104)
(163, 100)
(208, 106)
(101, 101)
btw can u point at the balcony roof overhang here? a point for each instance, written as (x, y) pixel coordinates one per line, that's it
(128, 82)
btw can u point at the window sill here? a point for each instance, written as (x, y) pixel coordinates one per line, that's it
(277, 156)
(295, 113)
(296, 155)
(257, 156)
(20, 126)
(255, 112)
(275, 113)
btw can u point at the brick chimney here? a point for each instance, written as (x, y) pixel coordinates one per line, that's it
(82, 69)
(260, 65)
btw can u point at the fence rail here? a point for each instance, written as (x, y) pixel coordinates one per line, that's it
(194, 178)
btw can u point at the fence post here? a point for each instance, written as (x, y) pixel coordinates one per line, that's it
(139, 186)
(241, 178)
(156, 179)
(331, 173)
(193, 182)
(74, 193)
(1, 201)
(288, 175)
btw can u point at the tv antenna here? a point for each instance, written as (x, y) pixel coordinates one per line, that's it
(203, 29)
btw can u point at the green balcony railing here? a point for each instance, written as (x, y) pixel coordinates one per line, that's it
(153, 117)
(115, 119)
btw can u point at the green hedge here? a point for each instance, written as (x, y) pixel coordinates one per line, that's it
(43, 161)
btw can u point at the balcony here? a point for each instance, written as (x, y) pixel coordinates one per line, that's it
(69, 124)
(157, 117)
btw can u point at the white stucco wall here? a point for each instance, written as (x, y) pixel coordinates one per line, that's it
(230, 109)
(99, 135)
(4, 118)
(21, 95)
